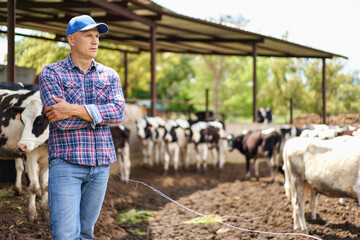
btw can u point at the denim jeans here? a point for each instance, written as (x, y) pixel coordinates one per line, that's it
(76, 194)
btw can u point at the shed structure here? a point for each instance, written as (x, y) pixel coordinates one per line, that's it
(142, 25)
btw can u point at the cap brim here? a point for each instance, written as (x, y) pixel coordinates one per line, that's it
(102, 27)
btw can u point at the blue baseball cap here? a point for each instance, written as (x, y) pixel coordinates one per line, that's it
(83, 23)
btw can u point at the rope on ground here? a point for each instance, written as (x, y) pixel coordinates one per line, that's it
(216, 220)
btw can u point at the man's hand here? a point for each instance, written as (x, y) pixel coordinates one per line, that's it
(60, 111)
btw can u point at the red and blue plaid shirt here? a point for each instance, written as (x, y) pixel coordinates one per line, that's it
(99, 90)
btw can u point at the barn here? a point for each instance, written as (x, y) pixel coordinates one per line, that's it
(171, 196)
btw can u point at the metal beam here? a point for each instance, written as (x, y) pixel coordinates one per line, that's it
(123, 11)
(63, 39)
(11, 23)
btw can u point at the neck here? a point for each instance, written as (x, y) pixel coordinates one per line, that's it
(83, 64)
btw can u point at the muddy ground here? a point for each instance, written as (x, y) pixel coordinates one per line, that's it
(240, 204)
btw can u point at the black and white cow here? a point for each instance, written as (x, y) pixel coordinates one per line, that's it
(151, 131)
(121, 138)
(176, 144)
(205, 136)
(265, 115)
(258, 144)
(23, 134)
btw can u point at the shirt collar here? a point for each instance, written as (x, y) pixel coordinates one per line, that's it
(71, 65)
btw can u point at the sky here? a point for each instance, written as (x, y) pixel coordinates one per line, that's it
(328, 25)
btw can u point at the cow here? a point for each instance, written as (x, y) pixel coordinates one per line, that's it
(264, 115)
(258, 144)
(176, 145)
(121, 138)
(205, 136)
(19, 86)
(24, 132)
(328, 167)
(150, 131)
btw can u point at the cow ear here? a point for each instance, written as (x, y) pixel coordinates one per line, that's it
(15, 112)
(18, 116)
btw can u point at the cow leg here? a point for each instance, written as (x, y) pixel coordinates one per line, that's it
(204, 157)
(31, 167)
(149, 152)
(44, 176)
(298, 203)
(271, 165)
(19, 166)
(176, 159)
(356, 188)
(166, 159)
(120, 161)
(257, 162)
(156, 154)
(221, 154)
(214, 153)
(248, 174)
(313, 203)
(187, 157)
(127, 163)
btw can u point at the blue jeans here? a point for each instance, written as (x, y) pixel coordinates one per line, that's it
(76, 194)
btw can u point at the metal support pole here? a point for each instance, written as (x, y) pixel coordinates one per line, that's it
(324, 90)
(153, 71)
(11, 23)
(255, 83)
(207, 105)
(126, 74)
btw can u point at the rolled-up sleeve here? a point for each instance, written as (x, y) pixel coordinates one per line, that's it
(50, 85)
(113, 111)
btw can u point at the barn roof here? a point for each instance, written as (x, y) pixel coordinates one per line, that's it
(131, 21)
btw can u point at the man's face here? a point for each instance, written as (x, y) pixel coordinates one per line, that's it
(85, 43)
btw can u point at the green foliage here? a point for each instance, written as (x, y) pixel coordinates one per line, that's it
(134, 216)
(184, 78)
(36, 53)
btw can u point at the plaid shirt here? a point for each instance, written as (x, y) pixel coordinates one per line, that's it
(99, 90)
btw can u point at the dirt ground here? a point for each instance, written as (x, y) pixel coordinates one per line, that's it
(241, 205)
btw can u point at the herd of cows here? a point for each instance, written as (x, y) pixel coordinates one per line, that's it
(319, 159)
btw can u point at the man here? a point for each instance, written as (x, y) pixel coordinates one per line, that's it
(81, 97)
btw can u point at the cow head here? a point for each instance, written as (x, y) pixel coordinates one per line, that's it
(198, 132)
(143, 129)
(36, 126)
(235, 142)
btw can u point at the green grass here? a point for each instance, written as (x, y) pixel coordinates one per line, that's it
(5, 193)
(134, 216)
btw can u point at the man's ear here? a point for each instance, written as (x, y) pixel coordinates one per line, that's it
(70, 39)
